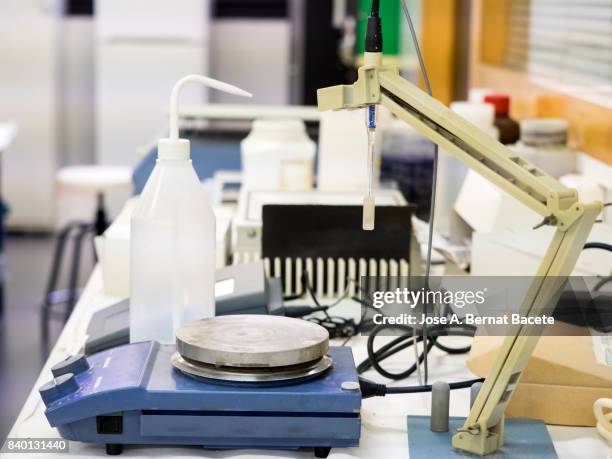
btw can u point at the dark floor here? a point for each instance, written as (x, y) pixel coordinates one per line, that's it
(27, 264)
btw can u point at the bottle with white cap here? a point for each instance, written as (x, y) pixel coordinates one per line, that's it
(277, 155)
(172, 238)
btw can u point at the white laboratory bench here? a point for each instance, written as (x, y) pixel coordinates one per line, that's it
(383, 431)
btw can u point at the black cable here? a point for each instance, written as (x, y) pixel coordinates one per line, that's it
(375, 10)
(601, 283)
(372, 389)
(598, 245)
(601, 246)
(402, 342)
(309, 289)
(336, 326)
(301, 311)
(452, 350)
(427, 387)
(341, 327)
(375, 361)
(296, 296)
(375, 357)
(373, 35)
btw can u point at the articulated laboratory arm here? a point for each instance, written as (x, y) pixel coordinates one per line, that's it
(482, 432)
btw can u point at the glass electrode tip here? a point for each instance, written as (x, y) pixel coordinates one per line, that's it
(368, 213)
(369, 204)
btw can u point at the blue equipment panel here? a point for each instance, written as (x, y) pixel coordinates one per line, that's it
(132, 395)
(523, 439)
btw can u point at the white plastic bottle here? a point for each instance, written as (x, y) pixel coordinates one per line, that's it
(172, 239)
(277, 155)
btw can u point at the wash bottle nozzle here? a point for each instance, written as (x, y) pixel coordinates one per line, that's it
(175, 147)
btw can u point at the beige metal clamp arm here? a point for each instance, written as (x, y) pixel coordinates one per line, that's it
(482, 432)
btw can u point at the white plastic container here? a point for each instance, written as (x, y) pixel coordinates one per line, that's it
(544, 143)
(452, 172)
(277, 155)
(589, 190)
(173, 253)
(172, 239)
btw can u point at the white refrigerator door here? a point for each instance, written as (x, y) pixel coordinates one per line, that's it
(236, 57)
(176, 20)
(133, 90)
(28, 97)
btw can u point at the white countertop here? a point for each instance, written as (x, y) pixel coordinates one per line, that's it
(383, 432)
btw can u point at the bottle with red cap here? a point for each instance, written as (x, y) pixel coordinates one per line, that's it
(509, 130)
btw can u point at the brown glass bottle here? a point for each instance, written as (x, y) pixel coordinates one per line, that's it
(509, 130)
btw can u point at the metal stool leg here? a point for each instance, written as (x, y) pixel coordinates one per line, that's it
(56, 265)
(74, 269)
(52, 295)
(101, 220)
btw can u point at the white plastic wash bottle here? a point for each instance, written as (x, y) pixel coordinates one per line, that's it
(172, 238)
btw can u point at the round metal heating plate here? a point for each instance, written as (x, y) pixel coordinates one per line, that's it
(291, 374)
(252, 341)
